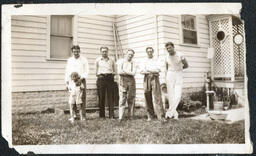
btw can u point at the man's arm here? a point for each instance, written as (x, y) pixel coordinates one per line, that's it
(142, 68)
(184, 62)
(157, 68)
(119, 68)
(67, 72)
(114, 67)
(96, 66)
(86, 69)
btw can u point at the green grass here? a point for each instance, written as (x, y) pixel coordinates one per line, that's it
(54, 128)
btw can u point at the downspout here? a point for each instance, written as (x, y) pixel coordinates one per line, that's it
(156, 36)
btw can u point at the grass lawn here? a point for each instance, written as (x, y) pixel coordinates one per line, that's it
(54, 128)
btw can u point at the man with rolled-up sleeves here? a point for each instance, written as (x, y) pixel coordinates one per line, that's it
(150, 68)
(78, 64)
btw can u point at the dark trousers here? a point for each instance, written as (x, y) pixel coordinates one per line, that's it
(105, 87)
(152, 91)
(84, 98)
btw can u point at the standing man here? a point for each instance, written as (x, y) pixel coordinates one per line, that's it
(78, 64)
(127, 87)
(175, 63)
(151, 69)
(105, 71)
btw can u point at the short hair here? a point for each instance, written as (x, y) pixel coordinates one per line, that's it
(149, 48)
(169, 43)
(131, 51)
(103, 48)
(75, 47)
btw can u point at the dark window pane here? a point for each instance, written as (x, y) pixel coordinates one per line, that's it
(189, 36)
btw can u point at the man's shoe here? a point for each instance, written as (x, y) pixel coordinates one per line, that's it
(71, 120)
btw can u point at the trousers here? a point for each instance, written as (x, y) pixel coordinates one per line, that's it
(174, 82)
(152, 92)
(105, 87)
(127, 92)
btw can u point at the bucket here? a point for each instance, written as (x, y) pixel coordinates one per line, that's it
(218, 105)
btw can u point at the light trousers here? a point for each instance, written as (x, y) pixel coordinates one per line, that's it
(174, 82)
(127, 93)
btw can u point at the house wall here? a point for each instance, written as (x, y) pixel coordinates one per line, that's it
(139, 32)
(34, 74)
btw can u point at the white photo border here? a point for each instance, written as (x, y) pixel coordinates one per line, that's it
(110, 9)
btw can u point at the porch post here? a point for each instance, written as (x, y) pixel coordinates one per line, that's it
(231, 50)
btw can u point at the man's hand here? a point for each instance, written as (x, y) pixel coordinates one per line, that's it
(67, 83)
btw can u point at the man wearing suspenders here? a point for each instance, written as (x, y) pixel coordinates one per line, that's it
(127, 86)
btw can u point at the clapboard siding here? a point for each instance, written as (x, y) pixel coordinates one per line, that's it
(31, 71)
(94, 32)
(138, 32)
(196, 56)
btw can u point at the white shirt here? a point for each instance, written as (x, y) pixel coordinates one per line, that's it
(174, 62)
(126, 66)
(79, 65)
(104, 66)
(150, 64)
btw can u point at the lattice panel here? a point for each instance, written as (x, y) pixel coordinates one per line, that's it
(238, 52)
(222, 61)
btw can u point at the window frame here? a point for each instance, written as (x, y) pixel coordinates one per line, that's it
(196, 28)
(48, 37)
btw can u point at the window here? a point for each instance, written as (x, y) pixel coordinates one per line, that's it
(61, 36)
(189, 32)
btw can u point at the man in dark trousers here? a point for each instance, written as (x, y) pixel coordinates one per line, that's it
(105, 71)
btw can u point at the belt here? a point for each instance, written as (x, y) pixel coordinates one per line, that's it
(151, 75)
(105, 75)
(129, 76)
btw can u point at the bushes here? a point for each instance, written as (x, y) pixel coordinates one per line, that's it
(193, 101)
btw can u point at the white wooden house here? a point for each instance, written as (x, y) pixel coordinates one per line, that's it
(41, 45)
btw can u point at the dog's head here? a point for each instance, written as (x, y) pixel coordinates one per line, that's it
(75, 76)
(163, 88)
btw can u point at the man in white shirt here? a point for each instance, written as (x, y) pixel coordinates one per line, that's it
(78, 64)
(175, 63)
(151, 69)
(105, 71)
(126, 69)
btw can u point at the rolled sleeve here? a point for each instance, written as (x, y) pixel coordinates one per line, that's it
(85, 72)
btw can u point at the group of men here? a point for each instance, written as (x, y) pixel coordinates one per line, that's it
(126, 68)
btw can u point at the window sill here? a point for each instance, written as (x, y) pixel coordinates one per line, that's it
(189, 45)
(55, 59)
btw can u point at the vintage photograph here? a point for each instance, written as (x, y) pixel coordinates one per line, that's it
(127, 79)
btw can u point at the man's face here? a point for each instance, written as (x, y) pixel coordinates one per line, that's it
(104, 52)
(170, 49)
(129, 55)
(150, 52)
(76, 53)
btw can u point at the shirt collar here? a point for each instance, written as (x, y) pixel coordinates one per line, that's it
(77, 58)
(102, 58)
